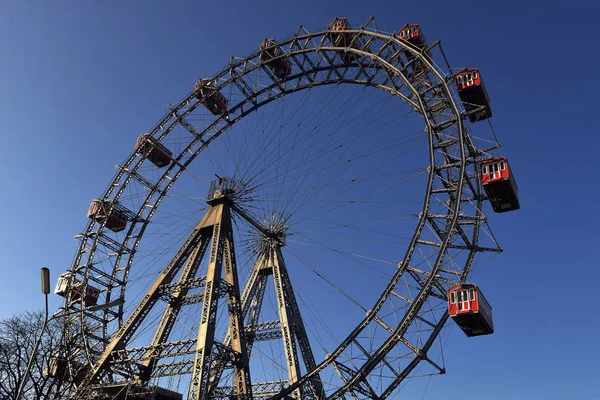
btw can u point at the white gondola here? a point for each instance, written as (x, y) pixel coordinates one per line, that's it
(66, 282)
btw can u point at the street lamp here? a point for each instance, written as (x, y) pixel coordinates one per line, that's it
(45, 275)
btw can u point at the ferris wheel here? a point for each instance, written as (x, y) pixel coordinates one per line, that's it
(302, 224)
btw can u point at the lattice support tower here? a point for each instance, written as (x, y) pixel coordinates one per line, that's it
(214, 230)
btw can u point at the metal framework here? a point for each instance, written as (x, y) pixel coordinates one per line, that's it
(98, 340)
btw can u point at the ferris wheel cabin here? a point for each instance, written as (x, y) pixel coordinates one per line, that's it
(155, 152)
(58, 367)
(340, 38)
(470, 310)
(413, 35)
(212, 99)
(499, 184)
(273, 55)
(473, 94)
(67, 283)
(339, 25)
(103, 211)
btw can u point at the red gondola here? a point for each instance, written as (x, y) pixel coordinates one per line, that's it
(473, 94)
(413, 35)
(470, 310)
(116, 221)
(67, 283)
(339, 24)
(210, 97)
(273, 55)
(499, 184)
(339, 38)
(155, 152)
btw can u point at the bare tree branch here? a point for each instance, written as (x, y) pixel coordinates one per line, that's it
(17, 339)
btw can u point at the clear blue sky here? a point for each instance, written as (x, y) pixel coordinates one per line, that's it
(79, 80)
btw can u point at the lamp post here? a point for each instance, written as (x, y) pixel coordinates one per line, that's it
(45, 275)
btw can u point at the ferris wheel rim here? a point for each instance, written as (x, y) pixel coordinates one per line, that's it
(188, 100)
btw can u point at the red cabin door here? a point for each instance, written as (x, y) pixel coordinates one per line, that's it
(463, 300)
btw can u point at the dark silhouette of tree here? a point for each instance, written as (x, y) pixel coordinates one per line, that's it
(17, 340)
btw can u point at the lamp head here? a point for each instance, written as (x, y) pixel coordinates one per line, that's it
(45, 272)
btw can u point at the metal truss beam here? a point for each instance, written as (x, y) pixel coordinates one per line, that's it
(363, 388)
(221, 254)
(263, 331)
(286, 318)
(252, 298)
(261, 390)
(167, 349)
